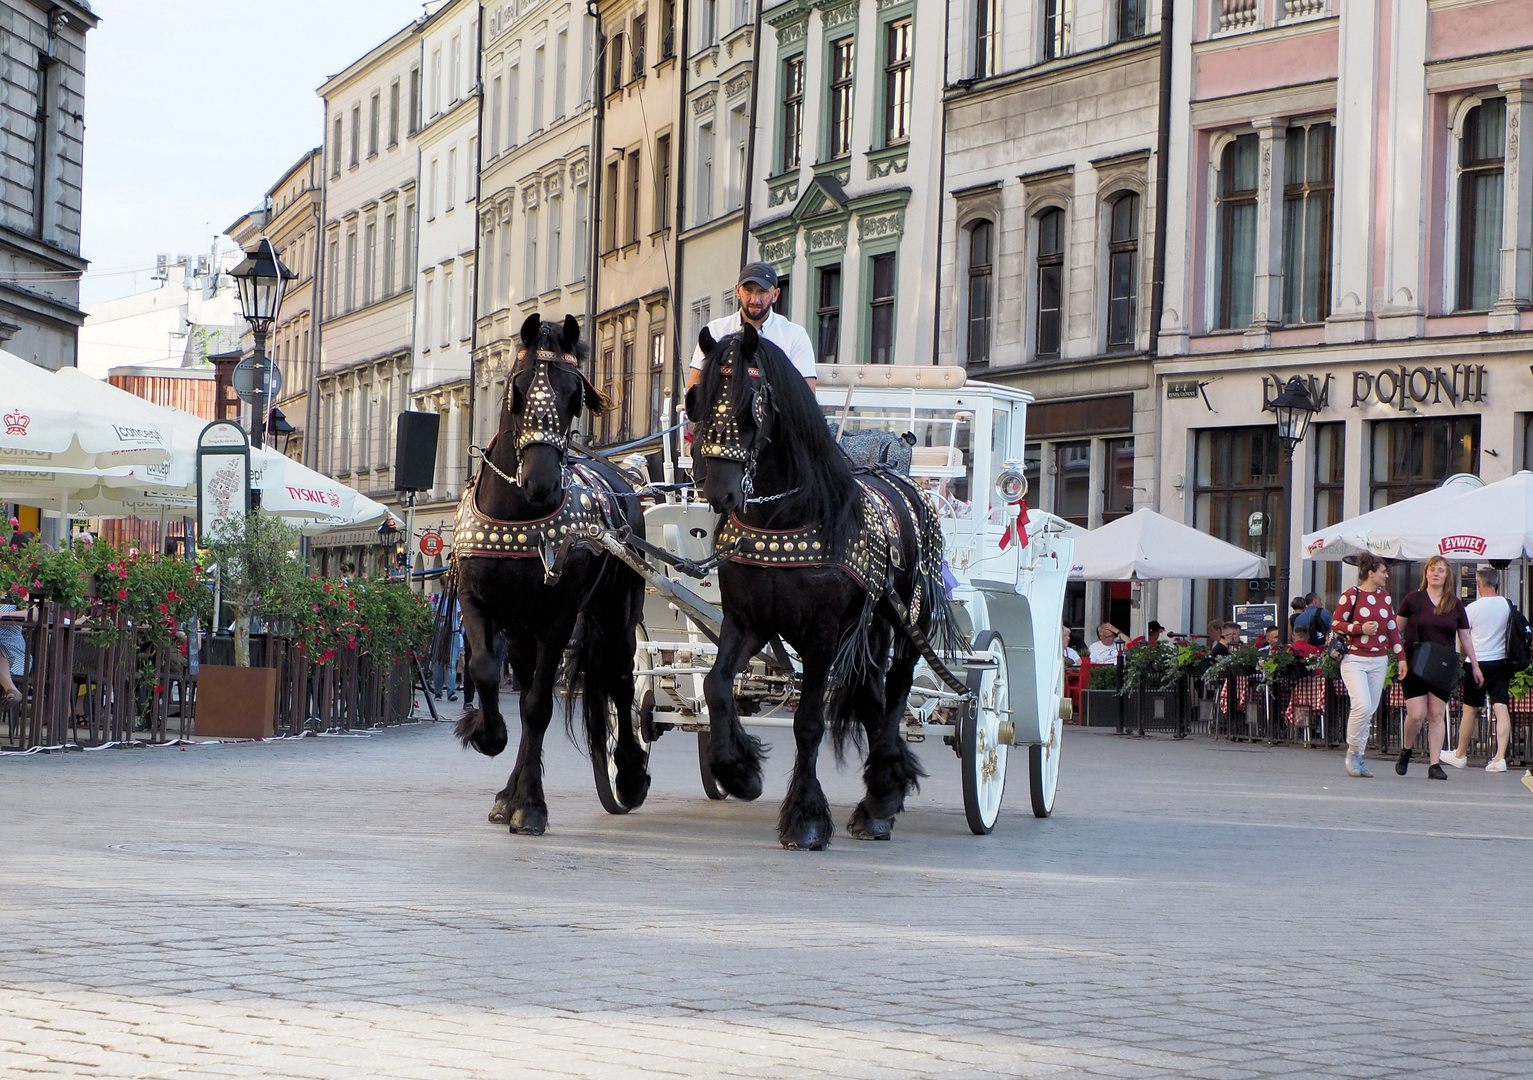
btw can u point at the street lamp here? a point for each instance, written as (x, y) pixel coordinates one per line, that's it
(1293, 409)
(261, 280)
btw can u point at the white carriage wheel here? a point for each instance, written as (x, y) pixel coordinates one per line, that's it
(1043, 761)
(982, 754)
(604, 765)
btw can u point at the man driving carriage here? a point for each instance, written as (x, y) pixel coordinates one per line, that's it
(757, 291)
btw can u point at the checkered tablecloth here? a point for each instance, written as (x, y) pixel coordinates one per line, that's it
(1308, 692)
(1242, 693)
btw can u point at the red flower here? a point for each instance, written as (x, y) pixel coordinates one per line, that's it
(164, 609)
(122, 594)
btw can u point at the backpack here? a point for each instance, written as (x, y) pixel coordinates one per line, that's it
(1314, 629)
(1519, 639)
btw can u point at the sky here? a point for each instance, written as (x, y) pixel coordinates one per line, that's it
(193, 108)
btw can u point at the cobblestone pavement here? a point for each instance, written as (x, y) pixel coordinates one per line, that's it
(340, 908)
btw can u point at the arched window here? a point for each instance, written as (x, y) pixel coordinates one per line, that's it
(1122, 269)
(1235, 235)
(980, 294)
(1049, 295)
(1481, 173)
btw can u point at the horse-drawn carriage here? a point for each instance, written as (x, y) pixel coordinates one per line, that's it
(769, 579)
(1007, 593)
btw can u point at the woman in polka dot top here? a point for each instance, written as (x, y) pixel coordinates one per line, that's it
(1366, 616)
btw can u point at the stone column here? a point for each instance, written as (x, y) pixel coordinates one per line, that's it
(1267, 301)
(1516, 296)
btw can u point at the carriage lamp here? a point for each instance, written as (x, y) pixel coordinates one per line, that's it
(1011, 482)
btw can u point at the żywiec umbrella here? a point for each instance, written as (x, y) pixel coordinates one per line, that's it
(1468, 522)
(1146, 546)
(1396, 531)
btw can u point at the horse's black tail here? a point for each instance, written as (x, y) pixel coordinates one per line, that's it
(599, 664)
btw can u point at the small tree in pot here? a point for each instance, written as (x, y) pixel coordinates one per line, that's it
(256, 571)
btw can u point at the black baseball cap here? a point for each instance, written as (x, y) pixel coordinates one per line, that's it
(758, 273)
(1154, 626)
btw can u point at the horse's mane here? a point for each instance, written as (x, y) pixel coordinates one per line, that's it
(801, 444)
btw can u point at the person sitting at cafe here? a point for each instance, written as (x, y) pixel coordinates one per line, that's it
(1072, 658)
(1152, 634)
(1269, 636)
(1108, 646)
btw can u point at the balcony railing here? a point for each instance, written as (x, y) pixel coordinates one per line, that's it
(1237, 15)
(1294, 10)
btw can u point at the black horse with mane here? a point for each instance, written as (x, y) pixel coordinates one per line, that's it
(527, 566)
(828, 558)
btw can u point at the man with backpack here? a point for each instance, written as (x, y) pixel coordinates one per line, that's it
(1501, 642)
(1313, 624)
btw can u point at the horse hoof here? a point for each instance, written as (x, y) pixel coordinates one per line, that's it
(863, 826)
(745, 786)
(500, 813)
(809, 838)
(633, 794)
(529, 821)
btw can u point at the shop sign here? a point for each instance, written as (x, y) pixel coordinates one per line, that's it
(1402, 387)
(1462, 545)
(431, 544)
(1179, 391)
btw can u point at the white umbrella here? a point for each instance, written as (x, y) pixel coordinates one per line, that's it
(52, 421)
(1413, 524)
(1147, 546)
(1473, 523)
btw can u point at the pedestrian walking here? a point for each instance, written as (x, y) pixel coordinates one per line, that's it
(449, 647)
(1431, 618)
(1365, 615)
(1489, 621)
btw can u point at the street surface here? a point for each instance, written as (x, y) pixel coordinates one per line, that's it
(340, 908)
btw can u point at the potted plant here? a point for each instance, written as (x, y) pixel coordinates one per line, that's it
(1150, 674)
(1100, 704)
(256, 569)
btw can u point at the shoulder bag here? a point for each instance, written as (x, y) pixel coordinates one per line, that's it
(1437, 666)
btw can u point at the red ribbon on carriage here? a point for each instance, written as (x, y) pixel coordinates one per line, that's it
(1018, 529)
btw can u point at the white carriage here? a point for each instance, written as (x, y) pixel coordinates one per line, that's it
(1008, 599)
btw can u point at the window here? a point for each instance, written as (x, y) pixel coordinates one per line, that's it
(1050, 285)
(1329, 449)
(1482, 167)
(394, 113)
(335, 150)
(346, 430)
(615, 64)
(708, 31)
(984, 38)
(495, 116)
(662, 183)
(1056, 28)
(447, 307)
(704, 194)
(1117, 478)
(792, 111)
(1236, 475)
(840, 98)
(530, 253)
(656, 377)
(503, 298)
(431, 186)
(43, 123)
(636, 47)
(428, 302)
(408, 249)
(512, 104)
(897, 82)
(356, 135)
(365, 426)
(1409, 457)
(374, 120)
(539, 76)
(828, 314)
(667, 29)
(881, 309)
(1308, 177)
(561, 71)
(582, 230)
(333, 272)
(625, 423)
(351, 270)
(1235, 235)
(782, 306)
(609, 223)
(452, 178)
(555, 238)
(1123, 270)
(415, 100)
(1131, 19)
(606, 389)
(981, 282)
(1072, 482)
(734, 195)
(457, 68)
(702, 312)
(390, 238)
(369, 261)
(436, 82)
(633, 196)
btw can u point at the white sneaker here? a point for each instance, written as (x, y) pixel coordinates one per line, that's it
(1498, 765)
(1451, 758)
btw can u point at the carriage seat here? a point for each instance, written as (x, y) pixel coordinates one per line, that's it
(684, 529)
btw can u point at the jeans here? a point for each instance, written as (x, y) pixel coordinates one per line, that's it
(449, 670)
(1364, 678)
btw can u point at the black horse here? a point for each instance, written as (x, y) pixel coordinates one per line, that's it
(827, 559)
(527, 566)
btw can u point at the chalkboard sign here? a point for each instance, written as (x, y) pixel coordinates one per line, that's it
(1253, 620)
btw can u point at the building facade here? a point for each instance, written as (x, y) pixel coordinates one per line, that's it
(847, 171)
(372, 115)
(1349, 204)
(535, 208)
(43, 124)
(1046, 260)
(447, 212)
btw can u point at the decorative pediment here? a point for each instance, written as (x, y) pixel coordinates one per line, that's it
(824, 197)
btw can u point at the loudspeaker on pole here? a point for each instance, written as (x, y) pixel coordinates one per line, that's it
(415, 450)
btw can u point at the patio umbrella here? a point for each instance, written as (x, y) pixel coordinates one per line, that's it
(1398, 530)
(53, 421)
(1146, 546)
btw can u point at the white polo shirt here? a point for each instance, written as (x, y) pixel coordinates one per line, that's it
(788, 336)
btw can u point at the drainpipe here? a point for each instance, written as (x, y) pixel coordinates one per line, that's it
(941, 199)
(750, 145)
(317, 314)
(473, 334)
(683, 36)
(598, 169)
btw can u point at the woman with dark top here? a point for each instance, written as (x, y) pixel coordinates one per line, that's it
(1365, 616)
(1435, 614)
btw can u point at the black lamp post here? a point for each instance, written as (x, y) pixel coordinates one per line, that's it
(261, 279)
(1293, 410)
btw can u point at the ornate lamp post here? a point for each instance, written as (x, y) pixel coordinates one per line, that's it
(1293, 409)
(261, 279)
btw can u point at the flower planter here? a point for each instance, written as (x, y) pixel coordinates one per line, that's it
(1101, 708)
(236, 702)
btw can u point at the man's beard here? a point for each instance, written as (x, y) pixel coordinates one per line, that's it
(757, 314)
